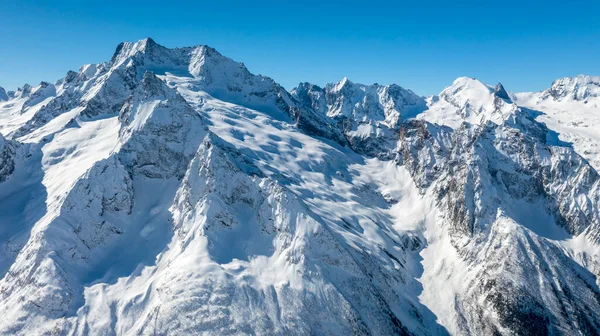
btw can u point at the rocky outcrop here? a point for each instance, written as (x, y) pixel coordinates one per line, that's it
(577, 88)
(7, 158)
(369, 117)
(3, 95)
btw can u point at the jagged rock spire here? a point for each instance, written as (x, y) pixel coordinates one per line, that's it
(501, 92)
(3, 95)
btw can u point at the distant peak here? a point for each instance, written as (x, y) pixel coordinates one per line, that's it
(200, 60)
(306, 86)
(500, 92)
(344, 83)
(577, 88)
(467, 86)
(469, 99)
(129, 49)
(149, 41)
(463, 81)
(577, 80)
(70, 77)
(25, 90)
(587, 78)
(144, 43)
(148, 45)
(3, 95)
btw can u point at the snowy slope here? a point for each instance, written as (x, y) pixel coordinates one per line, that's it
(571, 107)
(171, 191)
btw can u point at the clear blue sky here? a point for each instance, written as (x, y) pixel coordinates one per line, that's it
(421, 45)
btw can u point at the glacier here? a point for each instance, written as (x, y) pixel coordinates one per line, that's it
(172, 192)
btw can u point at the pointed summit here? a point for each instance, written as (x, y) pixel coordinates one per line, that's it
(3, 95)
(149, 42)
(26, 89)
(142, 51)
(500, 92)
(22, 92)
(345, 83)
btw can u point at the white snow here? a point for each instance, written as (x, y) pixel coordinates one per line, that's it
(169, 191)
(575, 121)
(467, 100)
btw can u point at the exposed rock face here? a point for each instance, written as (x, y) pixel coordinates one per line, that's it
(160, 130)
(369, 116)
(479, 172)
(484, 185)
(501, 92)
(3, 95)
(7, 159)
(514, 160)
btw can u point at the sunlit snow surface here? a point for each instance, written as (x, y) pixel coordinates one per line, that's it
(170, 191)
(577, 122)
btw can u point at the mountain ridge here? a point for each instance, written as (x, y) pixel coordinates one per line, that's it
(172, 191)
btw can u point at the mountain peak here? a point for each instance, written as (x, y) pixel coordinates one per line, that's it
(361, 103)
(344, 84)
(307, 86)
(127, 50)
(199, 61)
(468, 82)
(576, 88)
(500, 92)
(3, 95)
(466, 89)
(23, 91)
(148, 41)
(469, 99)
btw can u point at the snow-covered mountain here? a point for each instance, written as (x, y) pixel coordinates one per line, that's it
(571, 107)
(469, 100)
(171, 191)
(369, 116)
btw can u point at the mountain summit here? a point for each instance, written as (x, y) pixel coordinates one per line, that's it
(172, 191)
(577, 88)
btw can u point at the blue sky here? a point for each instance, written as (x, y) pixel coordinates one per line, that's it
(421, 45)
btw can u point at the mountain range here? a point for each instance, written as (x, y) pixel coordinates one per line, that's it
(173, 192)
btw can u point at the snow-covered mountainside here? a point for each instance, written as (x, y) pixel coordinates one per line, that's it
(173, 192)
(571, 107)
(469, 100)
(369, 116)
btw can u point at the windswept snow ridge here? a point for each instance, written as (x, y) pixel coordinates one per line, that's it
(171, 191)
